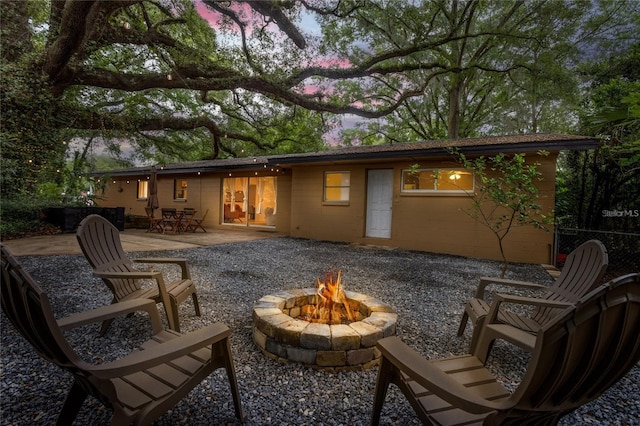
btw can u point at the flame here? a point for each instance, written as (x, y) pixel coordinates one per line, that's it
(332, 306)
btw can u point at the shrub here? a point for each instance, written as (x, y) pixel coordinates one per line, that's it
(22, 216)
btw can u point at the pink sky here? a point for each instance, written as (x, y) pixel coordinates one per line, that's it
(244, 11)
(247, 14)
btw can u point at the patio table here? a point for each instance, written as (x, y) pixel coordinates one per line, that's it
(176, 221)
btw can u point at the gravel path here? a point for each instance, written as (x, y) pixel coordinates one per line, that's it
(427, 291)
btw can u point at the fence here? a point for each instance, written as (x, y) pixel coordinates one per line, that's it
(68, 218)
(623, 248)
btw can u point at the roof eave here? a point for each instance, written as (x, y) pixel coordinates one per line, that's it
(550, 146)
(266, 162)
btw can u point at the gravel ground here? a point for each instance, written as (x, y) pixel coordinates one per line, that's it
(427, 291)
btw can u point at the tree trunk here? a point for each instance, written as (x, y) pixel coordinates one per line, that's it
(453, 124)
(505, 262)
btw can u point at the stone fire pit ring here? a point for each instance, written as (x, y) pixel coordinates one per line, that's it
(281, 336)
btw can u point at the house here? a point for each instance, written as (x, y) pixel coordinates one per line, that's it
(364, 194)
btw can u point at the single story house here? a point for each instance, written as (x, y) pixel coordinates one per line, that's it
(408, 195)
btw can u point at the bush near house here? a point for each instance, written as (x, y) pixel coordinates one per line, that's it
(22, 217)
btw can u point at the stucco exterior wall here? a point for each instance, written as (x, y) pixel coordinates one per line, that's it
(204, 193)
(435, 223)
(427, 222)
(311, 218)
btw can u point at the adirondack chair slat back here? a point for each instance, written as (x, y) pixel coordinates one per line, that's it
(138, 391)
(582, 352)
(29, 310)
(582, 272)
(101, 245)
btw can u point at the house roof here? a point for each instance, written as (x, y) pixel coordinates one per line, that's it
(469, 146)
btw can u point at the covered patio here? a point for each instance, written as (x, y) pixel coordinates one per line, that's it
(426, 290)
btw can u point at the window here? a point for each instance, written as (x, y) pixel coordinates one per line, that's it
(143, 190)
(180, 189)
(336, 186)
(437, 180)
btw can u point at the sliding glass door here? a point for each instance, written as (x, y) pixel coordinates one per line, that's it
(250, 200)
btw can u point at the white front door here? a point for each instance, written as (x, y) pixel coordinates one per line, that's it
(379, 199)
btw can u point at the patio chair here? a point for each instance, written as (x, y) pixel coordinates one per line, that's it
(155, 223)
(139, 387)
(100, 243)
(194, 223)
(577, 356)
(170, 220)
(582, 272)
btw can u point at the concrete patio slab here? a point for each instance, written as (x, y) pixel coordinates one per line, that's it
(134, 240)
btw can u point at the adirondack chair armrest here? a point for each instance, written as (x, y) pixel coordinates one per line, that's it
(485, 281)
(182, 262)
(112, 311)
(163, 352)
(155, 275)
(432, 378)
(501, 298)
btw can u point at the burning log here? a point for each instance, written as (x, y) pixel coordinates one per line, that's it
(332, 306)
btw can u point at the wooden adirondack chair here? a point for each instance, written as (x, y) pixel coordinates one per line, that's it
(139, 387)
(582, 272)
(100, 243)
(577, 356)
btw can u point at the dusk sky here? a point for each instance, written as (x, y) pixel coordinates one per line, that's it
(307, 25)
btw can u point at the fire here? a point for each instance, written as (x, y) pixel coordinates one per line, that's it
(332, 306)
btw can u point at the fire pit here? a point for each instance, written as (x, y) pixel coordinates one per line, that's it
(323, 327)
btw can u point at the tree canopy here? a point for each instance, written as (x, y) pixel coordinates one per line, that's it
(176, 80)
(601, 188)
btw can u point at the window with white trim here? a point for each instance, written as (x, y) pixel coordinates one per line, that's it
(437, 181)
(337, 186)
